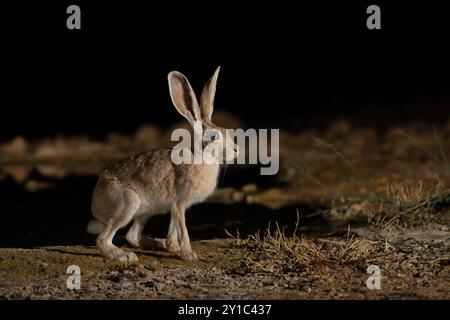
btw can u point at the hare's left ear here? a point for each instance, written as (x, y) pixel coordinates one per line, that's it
(183, 97)
(207, 97)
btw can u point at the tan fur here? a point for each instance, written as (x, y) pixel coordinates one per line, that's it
(149, 183)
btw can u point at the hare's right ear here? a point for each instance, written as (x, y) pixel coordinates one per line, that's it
(207, 97)
(183, 97)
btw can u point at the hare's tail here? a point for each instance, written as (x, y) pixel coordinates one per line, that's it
(95, 227)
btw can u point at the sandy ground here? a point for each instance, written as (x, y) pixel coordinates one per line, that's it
(414, 266)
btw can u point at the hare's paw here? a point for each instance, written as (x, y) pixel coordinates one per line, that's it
(188, 256)
(126, 258)
(173, 247)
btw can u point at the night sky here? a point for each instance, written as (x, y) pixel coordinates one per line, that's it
(289, 62)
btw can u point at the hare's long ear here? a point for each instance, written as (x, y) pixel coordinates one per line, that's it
(207, 97)
(183, 97)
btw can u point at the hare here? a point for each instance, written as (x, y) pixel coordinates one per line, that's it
(150, 183)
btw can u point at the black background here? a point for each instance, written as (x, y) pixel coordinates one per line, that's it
(305, 63)
(414, 309)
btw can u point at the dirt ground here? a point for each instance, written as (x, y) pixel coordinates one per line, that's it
(414, 270)
(363, 197)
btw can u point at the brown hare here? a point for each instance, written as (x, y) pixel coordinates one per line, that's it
(150, 183)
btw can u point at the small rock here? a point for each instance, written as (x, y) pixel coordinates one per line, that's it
(43, 266)
(249, 188)
(154, 266)
(237, 196)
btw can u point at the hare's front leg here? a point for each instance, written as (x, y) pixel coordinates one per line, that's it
(179, 220)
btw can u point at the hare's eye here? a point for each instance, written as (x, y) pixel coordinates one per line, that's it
(213, 135)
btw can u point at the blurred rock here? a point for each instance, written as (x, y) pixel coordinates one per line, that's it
(273, 198)
(52, 170)
(249, 188)
(16, 148)
(18, 172)
(227, 195)
(75, 148)
(46, 152)
(33, 185)
(147, 137)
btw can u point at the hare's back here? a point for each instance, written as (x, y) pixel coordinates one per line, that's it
(144, 171)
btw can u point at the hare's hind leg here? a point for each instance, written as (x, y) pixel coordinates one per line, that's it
(104, 243)
(121, 216)
(137, 239)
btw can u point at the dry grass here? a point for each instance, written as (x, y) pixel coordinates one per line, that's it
(407, 195)
(399, 206)
(276, 252)
(410, 204)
